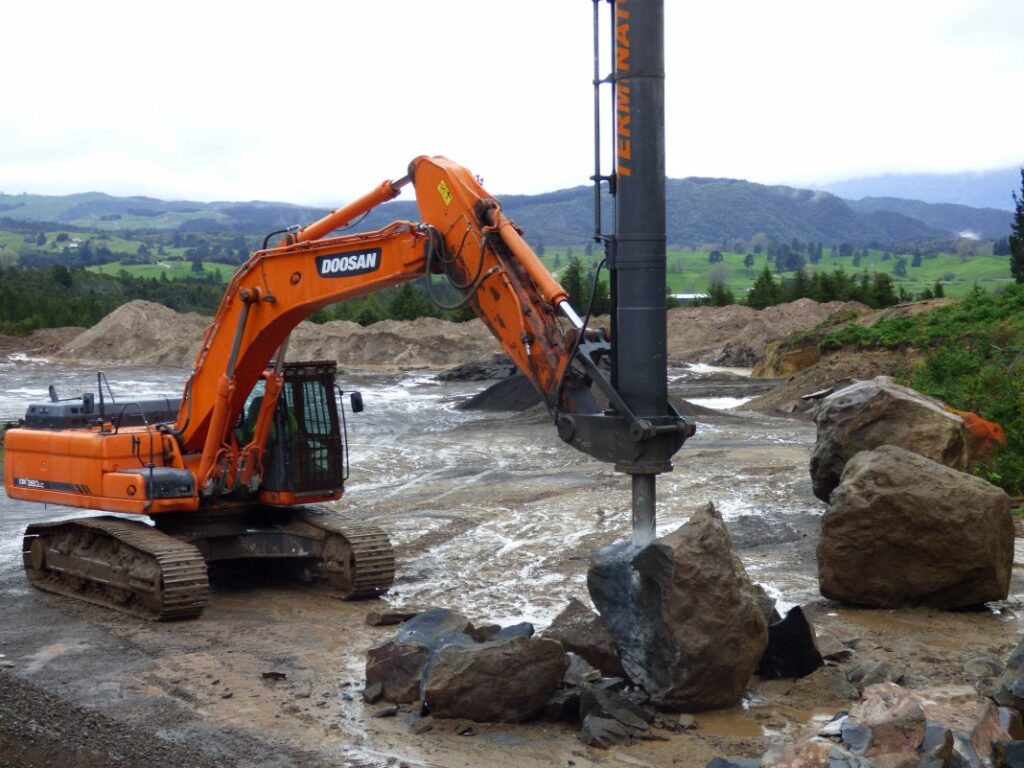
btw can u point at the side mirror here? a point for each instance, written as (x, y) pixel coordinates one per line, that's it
(356, 399)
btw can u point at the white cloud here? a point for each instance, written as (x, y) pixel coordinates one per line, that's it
(316, 102)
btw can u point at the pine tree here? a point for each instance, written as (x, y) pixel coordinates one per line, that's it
(572, 281)
(1017, 238)
(765, 292)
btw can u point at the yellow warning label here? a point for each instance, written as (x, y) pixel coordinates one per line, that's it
(446, 194)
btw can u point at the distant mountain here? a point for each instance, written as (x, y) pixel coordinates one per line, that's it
(699, 210)
(983, 189)
(985, 223)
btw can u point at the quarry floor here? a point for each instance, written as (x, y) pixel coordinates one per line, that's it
(490, 515)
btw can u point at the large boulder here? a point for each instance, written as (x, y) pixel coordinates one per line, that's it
(582, 631)
(683, 613)
(869, 414)
(904, 530)
(501, 681)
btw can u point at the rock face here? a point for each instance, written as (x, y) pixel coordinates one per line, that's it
(904, 530)
(869, 414)
(781, 360)
(683, 613)
(503, 681)
(583, 632)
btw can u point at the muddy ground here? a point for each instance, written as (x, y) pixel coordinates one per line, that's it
(491, 515)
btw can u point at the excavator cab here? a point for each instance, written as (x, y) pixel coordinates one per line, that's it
(307, 448)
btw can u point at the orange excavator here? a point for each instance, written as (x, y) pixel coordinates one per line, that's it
(236, 468)
(242, 465)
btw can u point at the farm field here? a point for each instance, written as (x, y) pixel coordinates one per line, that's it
(690, 271)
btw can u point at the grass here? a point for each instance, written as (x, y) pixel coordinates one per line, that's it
(689, 271)
(174, 270)
(975, 360)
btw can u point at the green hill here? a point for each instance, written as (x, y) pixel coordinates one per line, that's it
(699, 211)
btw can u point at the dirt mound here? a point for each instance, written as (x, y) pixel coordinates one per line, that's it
(392, 344)
(145, 333)
(40, 343)
(515, 393)
(834, 370)
(905, 310)
(737, 335)
(140, 333)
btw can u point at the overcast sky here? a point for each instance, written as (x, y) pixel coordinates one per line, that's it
(315, 103)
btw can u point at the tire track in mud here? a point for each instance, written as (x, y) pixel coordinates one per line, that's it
(437, 537)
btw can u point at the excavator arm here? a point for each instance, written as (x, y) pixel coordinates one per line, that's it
(464, 234)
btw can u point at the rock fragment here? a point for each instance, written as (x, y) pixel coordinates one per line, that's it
(792, 650)
(582, 631)
(603, 732)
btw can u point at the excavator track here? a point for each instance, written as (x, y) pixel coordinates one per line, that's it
(357, 560)
(120, 564)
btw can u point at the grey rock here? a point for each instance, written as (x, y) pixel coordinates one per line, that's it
(1008, 754)
(870, 672)
(563, 706)
(373, 693)
(580, 671)
(603, 732)
(841, 758)
(388, 711)
(609, 684)
(582, 631)
(1010, 684)
(832, 649)
(833, 728)
(935, 735)
(523, 629)
(684, 614)
(484, 632)
(903, 530)
(506, 681)
(964, 755)
(734, 762)
(687, 722)
(983, 666)
(426, 628)
(870, 414)
(857, 736)
(608, 704)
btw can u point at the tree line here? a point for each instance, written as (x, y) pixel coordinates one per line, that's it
(55, 296)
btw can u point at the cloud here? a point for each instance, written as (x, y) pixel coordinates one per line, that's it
(315, 103)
